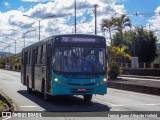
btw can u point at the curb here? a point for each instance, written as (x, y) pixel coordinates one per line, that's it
(135, 88)
(11, 70)
(11, 106)
(136, 76)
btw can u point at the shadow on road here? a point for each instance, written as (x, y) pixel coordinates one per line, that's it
(65, 103)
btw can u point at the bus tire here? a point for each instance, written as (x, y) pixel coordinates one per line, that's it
(45, 94)
(29, 90)
(87, 98)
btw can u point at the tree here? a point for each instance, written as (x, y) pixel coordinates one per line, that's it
(107, 25)
(120, 23)
(2, 62)
(142, 43)
(146, 47)
(118, 53)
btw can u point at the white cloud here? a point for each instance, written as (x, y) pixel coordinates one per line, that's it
(63, 23)
(153, 23)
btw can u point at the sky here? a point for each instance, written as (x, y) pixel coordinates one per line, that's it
(14, 25)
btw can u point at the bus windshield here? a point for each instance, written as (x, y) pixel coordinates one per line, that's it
(79, 60)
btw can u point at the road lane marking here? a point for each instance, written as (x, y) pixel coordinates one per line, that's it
(7, 118)
(28, 106)
(106, 103)
(121, 105)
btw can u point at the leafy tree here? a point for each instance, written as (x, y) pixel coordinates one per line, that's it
(118, 53)
(2, 62)
(141, 43)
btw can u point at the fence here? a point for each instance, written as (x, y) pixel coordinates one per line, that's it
(144, 69)
(142, 65)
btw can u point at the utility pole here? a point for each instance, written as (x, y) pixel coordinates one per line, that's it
(95, 12)
(75, 15)
(15, 46)
(39, 22)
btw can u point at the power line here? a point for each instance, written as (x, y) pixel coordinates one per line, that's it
(144, 14)
(87, 18)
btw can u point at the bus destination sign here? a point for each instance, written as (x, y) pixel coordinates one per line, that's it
(78, 40)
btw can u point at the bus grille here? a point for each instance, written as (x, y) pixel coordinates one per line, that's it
(75, 84)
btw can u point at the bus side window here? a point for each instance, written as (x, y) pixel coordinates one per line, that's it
(44, 54)
(29, 57)
(41, 54)
(36, 55)
(26, 57)
(22, 61)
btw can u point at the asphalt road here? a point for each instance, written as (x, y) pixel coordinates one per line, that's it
(115, 100)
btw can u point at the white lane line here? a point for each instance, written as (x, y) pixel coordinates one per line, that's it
(7, 118)
(121, 105)
(106, 103)
(150, 104)
(141, 79)
(29, 106)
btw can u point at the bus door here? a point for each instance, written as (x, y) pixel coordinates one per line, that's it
(25, 58)
(33, 67)
(49, 66)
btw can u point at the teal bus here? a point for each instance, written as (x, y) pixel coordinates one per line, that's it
(69, 64)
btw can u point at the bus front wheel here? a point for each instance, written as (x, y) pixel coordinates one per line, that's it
(87, 98)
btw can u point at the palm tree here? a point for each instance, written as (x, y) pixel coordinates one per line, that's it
(107, 25)
(120, 23)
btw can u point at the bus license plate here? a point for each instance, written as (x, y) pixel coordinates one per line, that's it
(81, 90)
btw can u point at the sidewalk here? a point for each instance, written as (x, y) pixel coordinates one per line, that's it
(144, 86)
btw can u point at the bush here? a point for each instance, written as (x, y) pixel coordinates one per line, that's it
(2, 65)
(11, 67)
(19, 67)
(16, 66)
(114, 70)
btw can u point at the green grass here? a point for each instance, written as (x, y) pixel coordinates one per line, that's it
(9, 100)
(2, 106)
(1, 103)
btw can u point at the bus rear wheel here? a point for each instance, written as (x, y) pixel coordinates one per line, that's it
(29, 90)
(45, 94)
(87, 98)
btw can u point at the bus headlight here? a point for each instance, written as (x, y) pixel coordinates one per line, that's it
(60, 82)
(104, 79)
(55, 79)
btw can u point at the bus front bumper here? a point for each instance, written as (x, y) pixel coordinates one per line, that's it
(78, 90)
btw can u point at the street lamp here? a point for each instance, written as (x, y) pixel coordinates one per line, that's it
(15, 41)
(23, 33)
(1, 55)
(39, 21)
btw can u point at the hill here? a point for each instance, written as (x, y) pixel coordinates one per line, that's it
(5, 54)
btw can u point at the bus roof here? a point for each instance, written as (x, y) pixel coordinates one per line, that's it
(53, 36)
